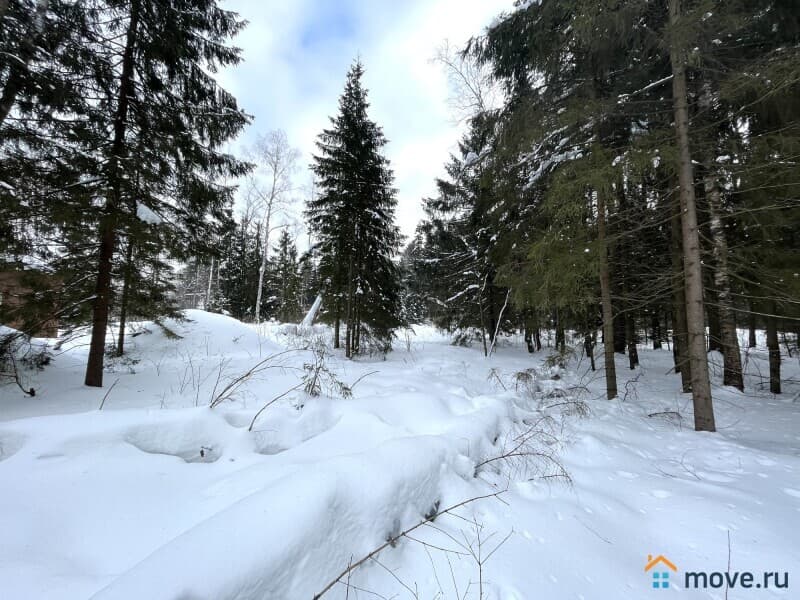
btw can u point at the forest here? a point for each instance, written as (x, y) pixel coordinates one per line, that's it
(628, 171)
(614, 241)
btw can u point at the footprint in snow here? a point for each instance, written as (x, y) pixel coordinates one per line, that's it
(627, 474)
(661, 493)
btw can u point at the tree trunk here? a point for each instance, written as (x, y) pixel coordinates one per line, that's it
(529, 340)
(493, 319)
(655, 327)
(357, 331)
(667, 323)
(561, 341)
(208, 287)
(732, 359)
(263, 267)
(337, 324)
(483, 317)
(108, 223)
(350, 309)
(774, 350)
(605, 300)
(630, 337)
(751, 322)
(619, 330)
(714, 332)
(680, 337)
(123, 306)
(701, 386)
(308, 320)
(588, 346)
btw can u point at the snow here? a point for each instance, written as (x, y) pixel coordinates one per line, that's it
(308, 320)
(159, 496)
(147, 215)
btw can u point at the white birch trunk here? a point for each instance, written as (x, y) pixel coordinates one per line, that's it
(210, 280)
(264, 255)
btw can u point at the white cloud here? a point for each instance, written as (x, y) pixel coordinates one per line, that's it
(297, 54)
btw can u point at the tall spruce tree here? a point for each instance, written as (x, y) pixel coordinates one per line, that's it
(352, 219)
(165, 120)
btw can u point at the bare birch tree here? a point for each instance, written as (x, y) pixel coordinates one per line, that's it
(473, 90)
(270, 185)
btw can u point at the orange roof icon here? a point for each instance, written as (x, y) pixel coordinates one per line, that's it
(652, 562)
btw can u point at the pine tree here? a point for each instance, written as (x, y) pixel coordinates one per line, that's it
(352, 219)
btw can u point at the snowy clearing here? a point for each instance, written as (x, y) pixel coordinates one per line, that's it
(158, 496)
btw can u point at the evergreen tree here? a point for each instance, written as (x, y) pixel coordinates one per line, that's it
(459, 242)
(608, 173)
(285, 281)
(165, 118)
(46, 157)
(353, 220)
(238, 268)
(416, 286)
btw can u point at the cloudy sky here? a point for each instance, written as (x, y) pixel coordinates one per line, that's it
(296, 55)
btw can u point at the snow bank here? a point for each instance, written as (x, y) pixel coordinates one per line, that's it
(289, 539)
(159, 496)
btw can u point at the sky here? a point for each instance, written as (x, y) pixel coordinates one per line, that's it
(296, 56)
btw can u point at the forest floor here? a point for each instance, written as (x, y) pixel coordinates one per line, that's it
(158, 496)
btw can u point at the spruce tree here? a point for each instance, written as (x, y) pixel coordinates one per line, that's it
(165, 120)
(596, 93)
(238, 268)
(285, 282)
(459, 243)
(352, 219)
(46, 155)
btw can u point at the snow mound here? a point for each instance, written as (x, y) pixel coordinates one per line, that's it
(194, 441)
(202, 333)
(279, 434)
(288, 539)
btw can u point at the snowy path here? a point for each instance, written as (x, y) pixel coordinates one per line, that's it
(120, 503)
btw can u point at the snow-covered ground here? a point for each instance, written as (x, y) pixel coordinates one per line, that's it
(158, 496)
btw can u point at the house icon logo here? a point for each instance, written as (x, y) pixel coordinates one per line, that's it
(659, 565)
